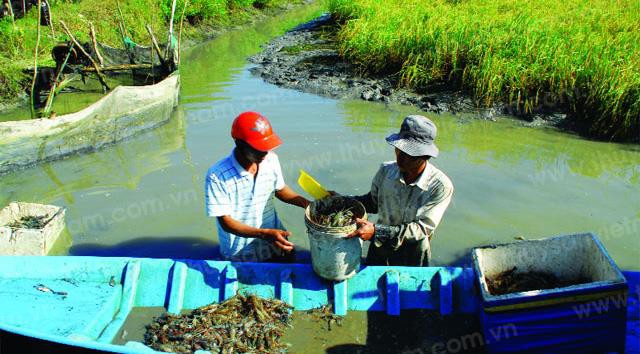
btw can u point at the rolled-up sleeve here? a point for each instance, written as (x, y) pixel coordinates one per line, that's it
(427, 219)
(432, 212)
(217, 200)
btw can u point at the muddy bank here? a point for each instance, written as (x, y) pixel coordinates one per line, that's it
(307, 59)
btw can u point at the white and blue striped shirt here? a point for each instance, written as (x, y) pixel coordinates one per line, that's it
(231, 190)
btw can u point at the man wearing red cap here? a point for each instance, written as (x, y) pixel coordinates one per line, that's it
(239, 192)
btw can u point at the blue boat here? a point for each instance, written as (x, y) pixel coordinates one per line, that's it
(80, 303)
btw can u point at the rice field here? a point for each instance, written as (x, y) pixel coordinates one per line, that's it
(580, 57)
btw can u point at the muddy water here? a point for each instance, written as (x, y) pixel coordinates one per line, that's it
(144, 197)
(358, 332)
(78, 95)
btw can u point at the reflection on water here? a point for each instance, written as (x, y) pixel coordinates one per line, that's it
(78, 95)
(135, 197)
(85, 183)
(211, 66)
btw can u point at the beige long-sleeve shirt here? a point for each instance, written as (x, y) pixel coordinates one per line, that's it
(408, 214)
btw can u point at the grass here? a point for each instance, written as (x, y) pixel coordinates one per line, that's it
(18, 41)
(580, 56)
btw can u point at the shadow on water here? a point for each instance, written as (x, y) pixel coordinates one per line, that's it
(413, 332)
(178, 247)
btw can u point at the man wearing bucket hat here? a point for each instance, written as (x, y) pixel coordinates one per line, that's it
(410, 196)
(239, 192)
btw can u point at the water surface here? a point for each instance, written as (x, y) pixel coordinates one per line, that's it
(144, 197)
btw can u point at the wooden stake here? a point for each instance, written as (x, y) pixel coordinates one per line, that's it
(53, 32)
(123, 67)
(24, 8)
(11, 14)
(35, 66)
(54, 87)
(169, 42)
(153, 76)
(124, 26)
(93, 62)
(123, 33)
(94, 41)
(184, 9)
(155, 44)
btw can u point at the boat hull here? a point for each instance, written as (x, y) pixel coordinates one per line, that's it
(91, 297)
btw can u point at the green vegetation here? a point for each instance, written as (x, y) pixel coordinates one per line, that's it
(580, 56)
(18, 42)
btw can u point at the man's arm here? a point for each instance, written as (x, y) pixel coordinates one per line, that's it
(289, 196)
(391, 235)
(394, 236)
(278, 237)
(218, 204)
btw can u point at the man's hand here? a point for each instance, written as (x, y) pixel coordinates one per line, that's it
(278, 237)
(365, 230)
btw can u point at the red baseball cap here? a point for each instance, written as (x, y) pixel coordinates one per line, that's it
(254, 129)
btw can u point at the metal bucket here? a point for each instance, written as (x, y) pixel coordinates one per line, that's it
(333, 256)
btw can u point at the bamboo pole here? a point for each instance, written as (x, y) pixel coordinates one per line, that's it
(184, 9)
(124, 26)
(173, 12)
(155, 44)
(24, 8)
(123, 67)
(124, 33)
(93, 62)
(35, 66)
(153, 76)
(94, 41)
(11, 14)
(54, 87)
(53, 32)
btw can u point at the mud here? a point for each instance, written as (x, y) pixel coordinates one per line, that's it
(307, 59)
(512, 281)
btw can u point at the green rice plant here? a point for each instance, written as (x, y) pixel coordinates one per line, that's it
(583, 57)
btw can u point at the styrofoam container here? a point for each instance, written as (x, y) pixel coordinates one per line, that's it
(567, 257)
(29, 242)
(567, 319)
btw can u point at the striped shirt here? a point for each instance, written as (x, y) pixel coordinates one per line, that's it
(231, 190)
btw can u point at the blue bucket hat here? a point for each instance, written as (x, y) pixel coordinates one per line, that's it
(416, 137)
